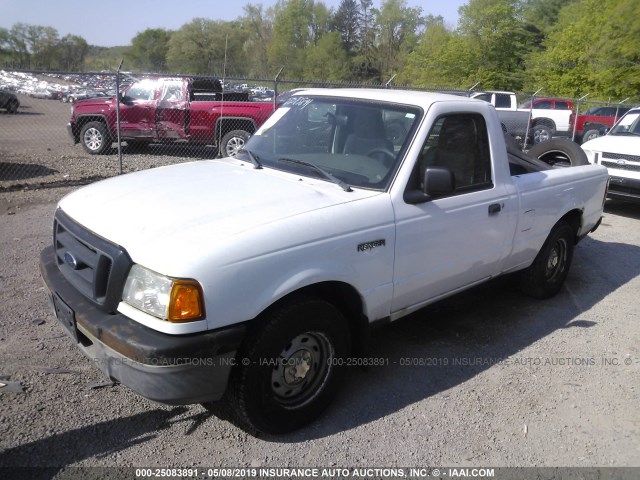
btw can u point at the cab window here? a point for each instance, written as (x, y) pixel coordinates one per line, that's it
(460, 143)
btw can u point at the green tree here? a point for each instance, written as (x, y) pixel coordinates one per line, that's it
(346, 22)
(206, 47)
(496, 36)
(291, 35)
(148, 50)
(327, 60)
(441, 60)
(543, 14)
(399, 28)
(72, 51)
(592, 49)
(258, 28)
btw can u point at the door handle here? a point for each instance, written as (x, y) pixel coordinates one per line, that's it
(495, 208)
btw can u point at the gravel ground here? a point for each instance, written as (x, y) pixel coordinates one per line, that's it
(493, 378)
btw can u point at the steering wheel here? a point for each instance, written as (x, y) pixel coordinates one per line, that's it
(388, 153)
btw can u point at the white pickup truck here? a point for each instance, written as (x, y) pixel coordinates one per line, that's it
(259, 276)
(619, 151)
(549, 116)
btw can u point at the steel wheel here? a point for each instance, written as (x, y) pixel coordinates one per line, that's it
(290, 365)
(302, 367)
(557, 260)
(546, 275)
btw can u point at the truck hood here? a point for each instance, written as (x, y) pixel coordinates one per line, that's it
(624, 144)
(195, 205)
(93, 102)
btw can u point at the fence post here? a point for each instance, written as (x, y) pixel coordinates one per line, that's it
(526, 135)
(117, 100)
(575, 121)
(275, 87)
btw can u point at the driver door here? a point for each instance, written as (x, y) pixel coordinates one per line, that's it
(138, 110)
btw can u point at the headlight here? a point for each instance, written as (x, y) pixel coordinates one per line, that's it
(591, 155)
(175, 300)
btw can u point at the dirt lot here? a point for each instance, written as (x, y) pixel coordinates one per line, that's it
(488, 378)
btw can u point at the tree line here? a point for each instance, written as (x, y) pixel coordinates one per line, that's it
(561, 47)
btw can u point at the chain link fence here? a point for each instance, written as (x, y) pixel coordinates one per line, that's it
(46, 142)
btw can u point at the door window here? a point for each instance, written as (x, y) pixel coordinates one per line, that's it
(459, 142)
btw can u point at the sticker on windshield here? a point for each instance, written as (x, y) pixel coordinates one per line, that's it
(299, 102)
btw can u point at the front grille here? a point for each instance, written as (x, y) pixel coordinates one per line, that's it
(625, 166)
(621, 156)
(95, 267)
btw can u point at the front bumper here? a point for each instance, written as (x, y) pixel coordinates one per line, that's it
(74, 138)
(623, 188)
(172, 369)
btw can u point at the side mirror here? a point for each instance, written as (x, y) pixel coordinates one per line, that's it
(438, 182)
(603, 131)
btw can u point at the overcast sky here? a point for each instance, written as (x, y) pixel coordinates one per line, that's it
(116, 22)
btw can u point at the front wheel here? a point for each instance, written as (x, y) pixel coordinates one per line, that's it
(232, 142)
(590, 135)
(546, 275)
(95, 138)
(290, 367)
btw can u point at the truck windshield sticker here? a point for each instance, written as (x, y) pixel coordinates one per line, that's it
(299, 102)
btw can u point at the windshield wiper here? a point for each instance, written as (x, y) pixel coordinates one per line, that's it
(345, 186)
(252, 157)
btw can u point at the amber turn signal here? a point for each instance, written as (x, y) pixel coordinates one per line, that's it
(185, 302)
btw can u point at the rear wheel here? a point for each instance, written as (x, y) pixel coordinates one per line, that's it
(559, 152)
(546, 275)
(232, 142)
(94, 138)
(590, 135)
(541, 133)
(289, 368)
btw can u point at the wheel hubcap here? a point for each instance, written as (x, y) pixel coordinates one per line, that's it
(233, 145)
(557, 260)
(302, 368)
(93, 138)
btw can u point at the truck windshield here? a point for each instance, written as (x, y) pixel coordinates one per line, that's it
(360, 143)
(628, 125)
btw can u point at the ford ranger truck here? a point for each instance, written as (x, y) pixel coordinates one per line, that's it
(258, 277)
(165, 110)
(619, 151)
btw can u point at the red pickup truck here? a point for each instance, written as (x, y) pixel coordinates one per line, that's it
(590, 123)
(167, 110)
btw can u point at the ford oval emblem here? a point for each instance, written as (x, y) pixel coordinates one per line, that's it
(70, 260)
(621, 162)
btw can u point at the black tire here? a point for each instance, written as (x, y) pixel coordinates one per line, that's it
(13, 106)
(559, 152)
(590, 135)
(541, 133)
(310, 336)
(232, 142)
(546, 275)
(94, 138)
